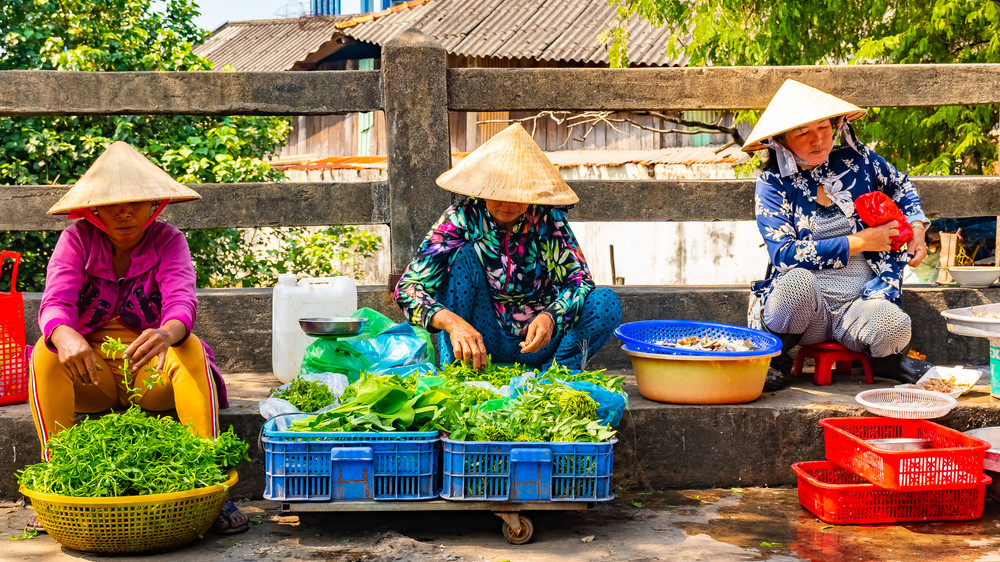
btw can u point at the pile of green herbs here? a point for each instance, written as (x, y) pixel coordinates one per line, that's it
(496, 375)
(306, 396)
(545, 409)
(132, 454)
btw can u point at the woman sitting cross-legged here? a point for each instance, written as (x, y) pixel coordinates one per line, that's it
(501, 273)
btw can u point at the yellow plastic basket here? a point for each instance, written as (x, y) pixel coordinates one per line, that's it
(130, 524)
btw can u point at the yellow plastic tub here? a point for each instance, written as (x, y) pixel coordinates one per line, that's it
(130, 524)
(685, 379)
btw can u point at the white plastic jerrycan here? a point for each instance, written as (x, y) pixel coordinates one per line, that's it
(309, 297)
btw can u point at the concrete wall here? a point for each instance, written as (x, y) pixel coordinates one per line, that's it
(237, 322)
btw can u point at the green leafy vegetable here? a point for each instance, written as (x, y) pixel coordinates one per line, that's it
(306, 396)
(24, 535)
(113, 347)
(132, 454)
(497, 375)
(382, 403)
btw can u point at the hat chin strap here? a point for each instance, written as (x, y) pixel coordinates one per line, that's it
(787, 160)
(846, 134)
(89, 216)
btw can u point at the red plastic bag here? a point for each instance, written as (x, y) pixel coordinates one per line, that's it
(876, 209)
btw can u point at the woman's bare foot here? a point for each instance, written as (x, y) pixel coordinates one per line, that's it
(231, 520)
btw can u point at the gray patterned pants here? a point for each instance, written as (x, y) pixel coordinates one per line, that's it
(796, 305)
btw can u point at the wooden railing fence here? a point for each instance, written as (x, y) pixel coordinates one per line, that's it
(416, 90)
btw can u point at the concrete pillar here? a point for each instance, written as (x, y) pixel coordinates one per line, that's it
(415, 99)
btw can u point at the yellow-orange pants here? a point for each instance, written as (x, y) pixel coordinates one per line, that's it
(188, 385)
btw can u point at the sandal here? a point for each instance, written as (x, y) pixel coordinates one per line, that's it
(33, 525)
(225, 518)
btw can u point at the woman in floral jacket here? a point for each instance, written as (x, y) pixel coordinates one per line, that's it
(501, 273)
(834, 278)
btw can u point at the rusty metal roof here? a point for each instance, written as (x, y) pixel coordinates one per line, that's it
(556, 30)
(268, 45)
(544, 30)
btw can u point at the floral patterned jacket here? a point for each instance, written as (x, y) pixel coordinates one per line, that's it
(786, 215)
(536, 267)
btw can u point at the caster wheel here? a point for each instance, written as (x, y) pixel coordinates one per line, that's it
(524, 535)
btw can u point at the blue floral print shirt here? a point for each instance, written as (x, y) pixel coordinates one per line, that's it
(786, 216)
(535, 267)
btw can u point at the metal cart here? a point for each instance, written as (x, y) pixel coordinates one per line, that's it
(517, 525)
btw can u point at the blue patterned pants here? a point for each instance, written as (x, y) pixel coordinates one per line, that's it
(465, 292)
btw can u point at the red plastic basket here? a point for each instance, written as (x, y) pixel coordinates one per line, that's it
(955, 460)
(839, 496)
(13, 367)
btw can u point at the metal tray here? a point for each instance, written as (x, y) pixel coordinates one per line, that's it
(964, 322)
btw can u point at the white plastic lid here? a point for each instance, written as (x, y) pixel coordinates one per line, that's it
(287, 279)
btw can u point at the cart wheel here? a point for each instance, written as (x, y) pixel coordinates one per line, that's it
(522, 536)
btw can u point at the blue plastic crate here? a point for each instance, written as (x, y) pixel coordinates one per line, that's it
(343, 466)
(646, 336)
(526, 472)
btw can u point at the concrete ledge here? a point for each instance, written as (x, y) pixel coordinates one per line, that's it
(661, 446)
(237, 322)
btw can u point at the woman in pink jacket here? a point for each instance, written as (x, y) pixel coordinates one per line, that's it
(121, 274)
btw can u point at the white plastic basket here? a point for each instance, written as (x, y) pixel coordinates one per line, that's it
(905, 403)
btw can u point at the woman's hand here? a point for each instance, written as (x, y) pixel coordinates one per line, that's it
(539, 334)
(75, 353)
(466, 342)
(154, 342)
(918, 245)
(874, 239)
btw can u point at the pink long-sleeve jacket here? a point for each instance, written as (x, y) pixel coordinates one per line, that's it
(82, 291)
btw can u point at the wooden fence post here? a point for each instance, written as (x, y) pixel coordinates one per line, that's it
(415, 99)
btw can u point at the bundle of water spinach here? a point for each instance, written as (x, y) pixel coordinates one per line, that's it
(132, 454)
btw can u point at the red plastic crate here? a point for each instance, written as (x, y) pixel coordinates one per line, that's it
(13, 367)
(839, 496)
(955, 460)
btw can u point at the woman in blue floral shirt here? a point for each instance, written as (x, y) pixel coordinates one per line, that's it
(834, 278)
(501, 273)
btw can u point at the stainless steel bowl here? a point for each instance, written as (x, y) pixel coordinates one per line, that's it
(901, 443)
(332, 326)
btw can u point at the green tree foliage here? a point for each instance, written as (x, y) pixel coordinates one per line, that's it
(116, 35)
(225, 261)
(932, 140)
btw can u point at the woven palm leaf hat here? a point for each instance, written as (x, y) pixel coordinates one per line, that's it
(122, 175)
(509, 167)
(794, 105)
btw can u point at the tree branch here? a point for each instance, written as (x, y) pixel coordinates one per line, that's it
(588, 120)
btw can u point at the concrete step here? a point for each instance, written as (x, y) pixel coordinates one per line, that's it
(660, 447)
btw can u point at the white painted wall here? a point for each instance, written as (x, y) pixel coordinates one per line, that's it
(660, 253)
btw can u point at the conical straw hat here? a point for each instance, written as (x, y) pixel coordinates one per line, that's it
(794, 105)
(509, 167)
(122, 175)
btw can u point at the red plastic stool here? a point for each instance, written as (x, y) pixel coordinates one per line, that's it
(830, 355)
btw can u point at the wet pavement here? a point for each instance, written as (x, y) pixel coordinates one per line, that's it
(719, 524)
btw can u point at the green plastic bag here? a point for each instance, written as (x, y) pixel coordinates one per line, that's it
(378, 323)
(429, 383)
(338, 355)
(332, 355)
(495, 404)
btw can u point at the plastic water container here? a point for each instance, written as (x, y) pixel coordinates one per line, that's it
(308, 297)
